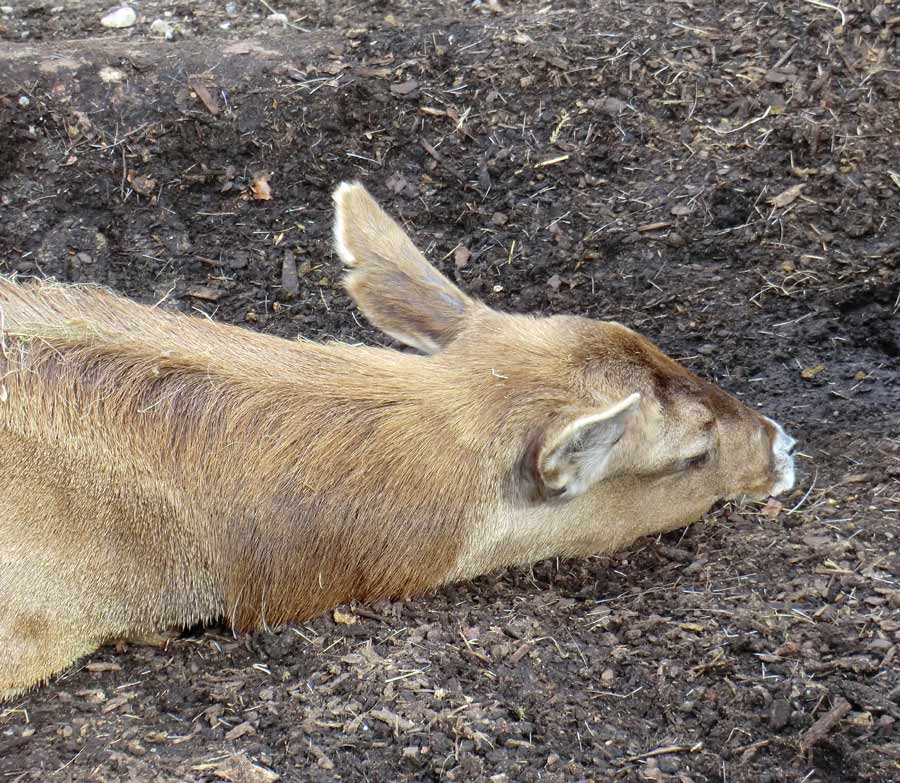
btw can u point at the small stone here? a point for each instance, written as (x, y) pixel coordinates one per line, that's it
(614, 106)
(163, 29)
(231, 10)
(111, 75)
(461, 256)
(24, 102)
(780, 715)
(6, 10)
(674, 239)
(277, 19)
(119, 18)
(668, 764)
(880, 13)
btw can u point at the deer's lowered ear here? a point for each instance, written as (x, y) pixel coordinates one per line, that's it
(573, 453)
(390, 280)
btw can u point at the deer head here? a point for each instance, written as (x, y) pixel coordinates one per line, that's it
(598, 435)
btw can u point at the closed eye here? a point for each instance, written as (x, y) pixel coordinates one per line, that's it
(695, 462)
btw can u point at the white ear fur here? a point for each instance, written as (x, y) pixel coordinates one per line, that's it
(340, 246)
(575, 457)
(389, 279)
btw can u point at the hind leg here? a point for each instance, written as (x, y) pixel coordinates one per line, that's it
(49, 617)
(34, 647)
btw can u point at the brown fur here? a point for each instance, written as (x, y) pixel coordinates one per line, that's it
(161, 470)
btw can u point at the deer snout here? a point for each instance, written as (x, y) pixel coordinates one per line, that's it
(782, 459)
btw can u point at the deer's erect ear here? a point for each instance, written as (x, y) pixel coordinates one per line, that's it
(573, 454)
(390, 280)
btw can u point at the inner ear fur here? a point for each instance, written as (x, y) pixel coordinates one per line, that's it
(574, 451)
(390, 280)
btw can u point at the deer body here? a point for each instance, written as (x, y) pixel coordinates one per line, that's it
(161, 470)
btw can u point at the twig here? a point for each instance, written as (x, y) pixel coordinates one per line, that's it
(551, 161)
(784, 58)
(741, 127)
(749, 751)
(664, 750)
(441, 159)
(828, 6)
(124, 175)
(616, 695)
(803, 499)
(824, 725)
(122, 140)
(480, 656)
(369, 615)
(289, 24)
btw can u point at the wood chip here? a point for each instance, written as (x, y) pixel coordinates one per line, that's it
(371, 73)
(240, 769)
(241, 730)
(344, 618)
(332, 68)
(205, 293)
(289, 280)
(260, 189)
(786, 198)
(146, 186)
(653, 227)
(519, 654)
(392, 719)
(322, 761)
(206, 97)
(811, 372)
(772, 508)
(114, 704)
(405, 88)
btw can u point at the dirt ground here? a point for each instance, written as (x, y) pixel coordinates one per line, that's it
(722, 176)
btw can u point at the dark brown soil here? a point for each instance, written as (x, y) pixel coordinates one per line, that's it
(636, 161)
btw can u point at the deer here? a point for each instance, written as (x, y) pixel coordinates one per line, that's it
(162, 470)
